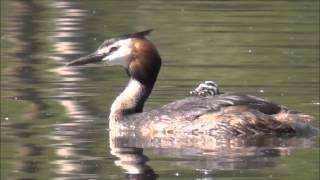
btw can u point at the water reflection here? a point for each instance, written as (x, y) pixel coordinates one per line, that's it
(69, 147)
(205, 154)
(41, 128)
(27, 154)
(132, 161)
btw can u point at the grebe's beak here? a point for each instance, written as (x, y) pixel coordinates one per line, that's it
(91, 58)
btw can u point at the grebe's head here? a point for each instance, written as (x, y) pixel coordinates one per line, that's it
(132, 51)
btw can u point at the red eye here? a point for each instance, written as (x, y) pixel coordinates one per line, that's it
(112, 49)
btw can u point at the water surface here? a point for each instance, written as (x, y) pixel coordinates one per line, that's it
(54, 119)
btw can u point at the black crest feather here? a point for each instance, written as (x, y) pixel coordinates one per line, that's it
(125, 36)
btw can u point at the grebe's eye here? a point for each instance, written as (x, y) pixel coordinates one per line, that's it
(112, 49)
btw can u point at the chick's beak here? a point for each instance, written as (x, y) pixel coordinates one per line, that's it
(91, 58)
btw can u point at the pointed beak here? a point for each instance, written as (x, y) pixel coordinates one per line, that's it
(91, 58)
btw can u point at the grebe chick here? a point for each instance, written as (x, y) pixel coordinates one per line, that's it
(224, 114)
(207, 88)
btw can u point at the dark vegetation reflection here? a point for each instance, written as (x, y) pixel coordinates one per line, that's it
(27, 47)
(43, 132)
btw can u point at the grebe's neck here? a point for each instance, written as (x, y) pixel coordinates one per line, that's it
(142, 67)
(130, 101)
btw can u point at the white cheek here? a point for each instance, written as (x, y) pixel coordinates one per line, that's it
(119, 57)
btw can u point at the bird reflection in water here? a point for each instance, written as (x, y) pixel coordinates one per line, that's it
(131, 159)
(202, 153)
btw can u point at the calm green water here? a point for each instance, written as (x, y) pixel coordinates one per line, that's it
(54, 119)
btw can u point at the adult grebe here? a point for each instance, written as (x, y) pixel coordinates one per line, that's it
(224, 114)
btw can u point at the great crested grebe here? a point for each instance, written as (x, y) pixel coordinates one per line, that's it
(223, 114)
